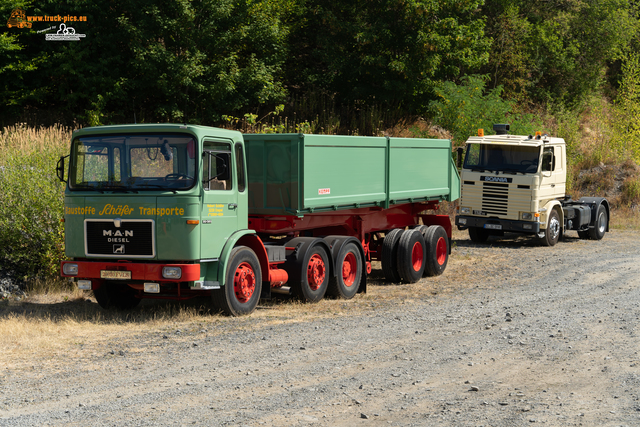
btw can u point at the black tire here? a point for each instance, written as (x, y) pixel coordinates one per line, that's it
(437, 244)
(243, 284)
(600, 226)
(478, 235)
(117, 296)
(314, 276)
(390, 255)
(411, 256)
(422, 229)
(553, 230)
(348, 273)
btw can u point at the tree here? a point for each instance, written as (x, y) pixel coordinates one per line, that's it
(386, 51)
(556, 51)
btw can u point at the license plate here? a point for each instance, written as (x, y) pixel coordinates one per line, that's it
(111, 274)
(493, 226)
(479, 213)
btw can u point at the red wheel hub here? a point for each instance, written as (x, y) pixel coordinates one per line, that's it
(417, 256)
(349, 269)
(315, 272)
(244, 282)
(441, 251)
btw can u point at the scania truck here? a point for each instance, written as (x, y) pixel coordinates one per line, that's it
(177, 211)
(517, 183)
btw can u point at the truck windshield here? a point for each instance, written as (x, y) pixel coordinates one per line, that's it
(502, 157)
(133, 162)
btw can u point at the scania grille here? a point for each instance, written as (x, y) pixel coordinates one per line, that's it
(121, 239)
(495, 198)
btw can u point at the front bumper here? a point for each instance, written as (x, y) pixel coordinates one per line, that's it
(139, 271)
(529, 227)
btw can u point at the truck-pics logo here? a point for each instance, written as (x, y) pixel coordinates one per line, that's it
(495, 179)
(18, 19)
(65, 34)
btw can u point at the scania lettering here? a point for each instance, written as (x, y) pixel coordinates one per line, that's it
(531, 199)
(178, 211)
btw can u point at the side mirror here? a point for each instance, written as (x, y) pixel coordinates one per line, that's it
(60, 168)
(460, 151)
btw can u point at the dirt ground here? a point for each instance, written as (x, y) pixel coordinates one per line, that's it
(511, 334)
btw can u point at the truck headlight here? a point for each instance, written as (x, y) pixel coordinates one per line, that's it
(527, 216)
(462, 221)
(70, 269)
(171, 272)
(465, 210)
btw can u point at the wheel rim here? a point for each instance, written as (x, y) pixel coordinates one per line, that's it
(554, 226)
(244, 282)
(602, 222)
(315, 272)
(349, 269)
(417, 256)
(441, 251)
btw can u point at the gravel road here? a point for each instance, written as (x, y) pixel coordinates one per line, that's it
(512, 334)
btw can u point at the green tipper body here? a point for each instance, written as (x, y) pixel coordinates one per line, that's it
(297, 174)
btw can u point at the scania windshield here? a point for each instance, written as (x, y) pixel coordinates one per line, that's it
(133, 162)
(505, 158)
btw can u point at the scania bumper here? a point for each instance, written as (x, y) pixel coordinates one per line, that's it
(495, 224)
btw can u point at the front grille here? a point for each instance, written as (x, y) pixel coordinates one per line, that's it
(132, 239)
(495, 198)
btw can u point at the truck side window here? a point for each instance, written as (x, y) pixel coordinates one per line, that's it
(216, 166)
(548, 160)
(240, 163)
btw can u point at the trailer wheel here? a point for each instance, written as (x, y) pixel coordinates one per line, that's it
(349, 272)
(243, 283)
(437, 243)
(411, 256)
(600, 227)
(314, 277)
(390, 255)
(478, 235)
(552, 233)
(117, 296)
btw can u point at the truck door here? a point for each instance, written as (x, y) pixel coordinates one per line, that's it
(552, 183)
(220, 197)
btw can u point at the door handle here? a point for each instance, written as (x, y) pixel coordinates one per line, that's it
(232, 206)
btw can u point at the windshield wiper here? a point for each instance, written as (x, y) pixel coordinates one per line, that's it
(162, 187)
(121, 190)
(512, 171)
(86, 187)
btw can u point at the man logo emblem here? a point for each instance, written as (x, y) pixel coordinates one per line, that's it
(118, 249)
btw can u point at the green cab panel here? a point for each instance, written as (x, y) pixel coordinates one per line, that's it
(159, 224)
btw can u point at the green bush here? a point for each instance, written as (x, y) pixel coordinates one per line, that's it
(464, 108)
(31, 230)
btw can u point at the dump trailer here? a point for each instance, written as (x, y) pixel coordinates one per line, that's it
(178, 211)
(517, 183)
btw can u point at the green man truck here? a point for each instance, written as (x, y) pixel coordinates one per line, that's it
(517, 184)
(178, 211)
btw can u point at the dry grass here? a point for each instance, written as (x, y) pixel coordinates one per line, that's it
(27, 139)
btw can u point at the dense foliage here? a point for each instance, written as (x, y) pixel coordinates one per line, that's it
(195, 61)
